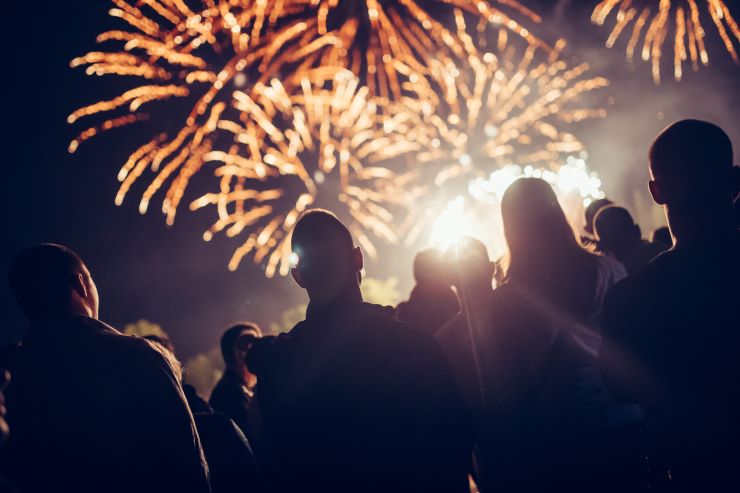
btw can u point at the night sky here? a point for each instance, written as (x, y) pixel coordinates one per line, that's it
(169, 275)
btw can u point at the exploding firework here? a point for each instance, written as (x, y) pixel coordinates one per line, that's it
(507, 108)
(652, 21)
(290, 149)
(182, 59)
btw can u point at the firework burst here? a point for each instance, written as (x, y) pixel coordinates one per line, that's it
(507, 108)
(290, 149)
(177, 56)
(653, 20)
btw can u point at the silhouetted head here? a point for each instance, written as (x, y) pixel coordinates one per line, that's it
(694, 177)
(329, 264)
(662, 235)
(51, 281)
(468, 267)
(535, 226)
(429, 266)
(543, 251)
(236, 341)
(591, 211)
(616, 231)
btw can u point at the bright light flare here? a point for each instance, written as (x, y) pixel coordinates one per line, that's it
(478, 214)
(451, 226)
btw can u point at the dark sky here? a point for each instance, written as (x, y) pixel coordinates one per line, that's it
(169, 275)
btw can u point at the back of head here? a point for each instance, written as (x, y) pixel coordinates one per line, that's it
(691, 160)
(467, 263)
(42, 278)
(691, 148)
(543, 251)
(592, 210)
(428, 266)
(327, 258)
(535, 227)
(615, 230)
(230, 337)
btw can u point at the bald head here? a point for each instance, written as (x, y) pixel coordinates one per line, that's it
(319, 226)
(694, 179)
(329, 264)
(50, 280)
(690, 148)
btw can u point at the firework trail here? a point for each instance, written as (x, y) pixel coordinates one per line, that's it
(654, 20)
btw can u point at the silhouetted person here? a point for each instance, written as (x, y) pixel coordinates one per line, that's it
(432, 302)
(671, 330)
(90, 409)
(546, 259)
(230, 459)
(525, 353)
(620, 237)
(589, 239)
(234, 393)
(351, 398)
(663, 236)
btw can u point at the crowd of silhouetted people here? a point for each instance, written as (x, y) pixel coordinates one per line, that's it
(606, 362)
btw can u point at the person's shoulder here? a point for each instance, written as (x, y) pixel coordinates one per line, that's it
(634, 289)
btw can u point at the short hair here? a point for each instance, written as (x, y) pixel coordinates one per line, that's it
(612, 223)
(230, 335)
(690, 148)
(316, 226)
(592, 210)
(40, 278)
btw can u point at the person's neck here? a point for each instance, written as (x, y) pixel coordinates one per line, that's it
(697, 232)
(349, 294)
(62, 314)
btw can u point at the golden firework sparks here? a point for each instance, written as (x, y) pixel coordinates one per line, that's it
(653, 21)
(385, 42)
(194, 58)
(330, 137)
(506, 108)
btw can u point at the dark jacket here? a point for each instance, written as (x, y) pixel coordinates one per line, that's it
(671, 344)
(231, 397)
(230, 458)
(93, 410)
(353, 400)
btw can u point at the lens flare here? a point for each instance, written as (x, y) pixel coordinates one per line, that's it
(478, 213)
(654, 20)
(511, 106)
(451, 225)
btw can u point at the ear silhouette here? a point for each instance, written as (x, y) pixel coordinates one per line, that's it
(79, 286)
(657, 192)
(358, 262)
